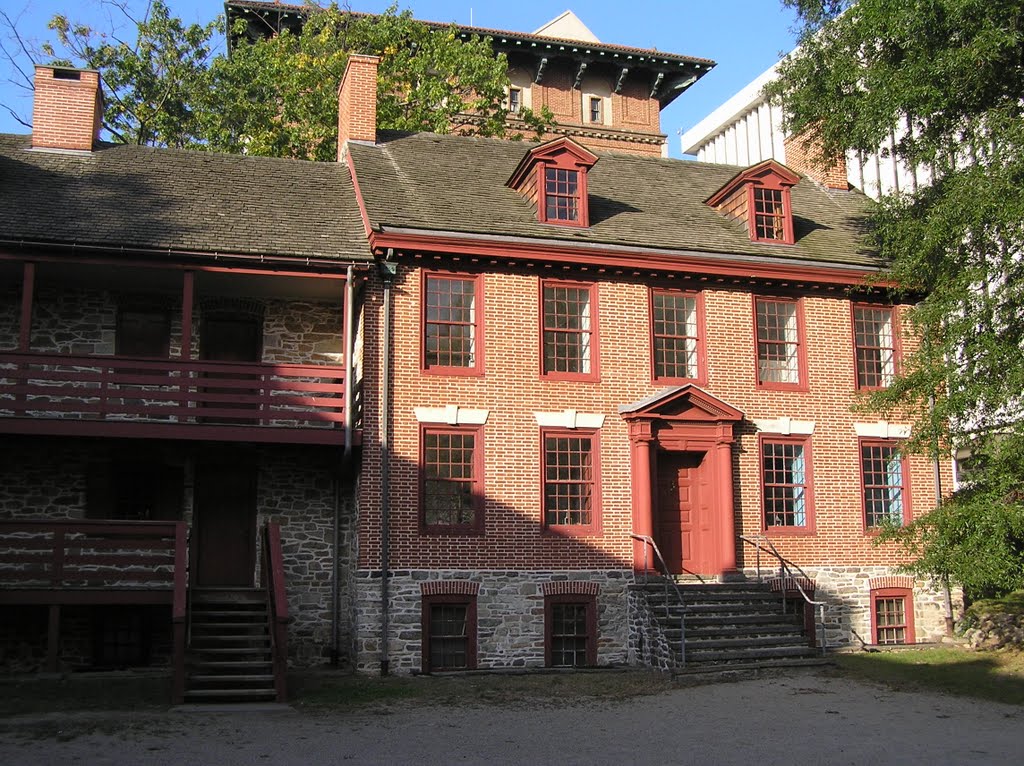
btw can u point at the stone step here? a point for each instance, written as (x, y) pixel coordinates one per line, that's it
(231, 665)
(247, 651)
(267, 679)
(249, 625)
(755, 653)
(218, 695)
(738, 668)
(744, 642)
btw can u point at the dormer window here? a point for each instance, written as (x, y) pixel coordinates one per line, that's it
(553, 177)
(759, 196)
(561, 195)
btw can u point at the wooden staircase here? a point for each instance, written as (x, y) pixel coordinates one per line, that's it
(230, 653)
(730, 625)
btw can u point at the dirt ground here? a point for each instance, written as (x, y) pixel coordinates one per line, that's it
(800, 718)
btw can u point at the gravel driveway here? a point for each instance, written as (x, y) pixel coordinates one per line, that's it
(803, 718)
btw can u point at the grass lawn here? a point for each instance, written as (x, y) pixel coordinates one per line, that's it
(996, 675)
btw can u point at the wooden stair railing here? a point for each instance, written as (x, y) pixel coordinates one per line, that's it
(277, 598)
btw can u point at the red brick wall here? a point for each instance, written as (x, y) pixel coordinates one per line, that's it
(67, 113)
(512, 390)
(357, 100)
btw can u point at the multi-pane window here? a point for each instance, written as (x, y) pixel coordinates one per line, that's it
(675, 329)
(784, 484)
(881, 470)
(451, 491)
(449, 633)
(875, 342)
(568, 318)
(570, 480)
(571, 627)
(561, 194)
(595, 109)
(769, 214)
(778, 342)
(451, 322)
(515, 100)
(891, 624)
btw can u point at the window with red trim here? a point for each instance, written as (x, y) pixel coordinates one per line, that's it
(769, 214)
(883, 478)
(778, 342)
(874, 338)
(675, 331)
(561, 194)
(892, 616)
(449, 633)
(570, 480)
(451, 483)
(570, 631)
(786, 484)
(569, 322)
(451, 323)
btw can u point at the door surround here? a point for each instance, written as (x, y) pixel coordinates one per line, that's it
(683, 419)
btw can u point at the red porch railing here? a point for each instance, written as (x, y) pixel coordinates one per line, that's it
(273, 570)
(53, 563)
(171, 391)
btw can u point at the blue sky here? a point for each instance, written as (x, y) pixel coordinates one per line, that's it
(745, 37)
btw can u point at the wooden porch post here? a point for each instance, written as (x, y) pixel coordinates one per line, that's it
(28, 285)
(53, 638)
(187, 300)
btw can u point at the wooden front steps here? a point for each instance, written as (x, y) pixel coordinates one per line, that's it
(730, 625)
(230, 656)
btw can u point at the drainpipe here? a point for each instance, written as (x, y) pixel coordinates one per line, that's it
(349, 364)
(335, 587)
(388, 270)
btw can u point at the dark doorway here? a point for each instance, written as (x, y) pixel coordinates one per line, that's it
(225, 525)
(231, 338)
(684, 530)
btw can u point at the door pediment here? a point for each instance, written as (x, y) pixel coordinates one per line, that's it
(688, 404)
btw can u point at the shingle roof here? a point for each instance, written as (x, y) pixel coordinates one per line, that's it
(167, 199)
(457, 184)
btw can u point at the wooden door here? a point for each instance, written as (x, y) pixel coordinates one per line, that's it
(683, 513)
(231, 339)
(224, 527)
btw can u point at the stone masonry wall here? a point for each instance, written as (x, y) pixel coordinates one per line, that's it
(510, 616)
(848, 594)
(297, 490)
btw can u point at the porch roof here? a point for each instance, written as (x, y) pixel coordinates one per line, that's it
(122, 196)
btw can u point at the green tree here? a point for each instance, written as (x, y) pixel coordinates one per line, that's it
(947, 78)
(277, 96)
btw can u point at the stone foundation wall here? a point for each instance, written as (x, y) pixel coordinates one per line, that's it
(510, 616)
(648, 646)
(848, 594)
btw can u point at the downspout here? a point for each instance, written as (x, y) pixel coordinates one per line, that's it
(388, 270)
(947, 595)
(349, 417)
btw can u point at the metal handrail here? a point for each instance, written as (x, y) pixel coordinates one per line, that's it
(649, 541)
(785, 573)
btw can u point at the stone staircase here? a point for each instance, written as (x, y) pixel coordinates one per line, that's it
(229, 655)
(731, 626)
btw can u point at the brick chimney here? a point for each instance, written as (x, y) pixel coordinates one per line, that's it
(804, 156)
(68, 108)
(357, 101)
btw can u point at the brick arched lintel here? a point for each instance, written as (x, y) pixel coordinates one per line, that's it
(570, 588)
(449, 588)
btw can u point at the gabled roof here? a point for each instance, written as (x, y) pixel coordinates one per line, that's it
(122, 196)
(768, 169)
(456, 185)
(560, 147)
(686, 402)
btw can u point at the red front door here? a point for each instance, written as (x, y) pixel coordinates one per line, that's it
(684, 517)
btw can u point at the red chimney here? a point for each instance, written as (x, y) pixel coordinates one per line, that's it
(357, 101)
(68, 108)
(804, 156)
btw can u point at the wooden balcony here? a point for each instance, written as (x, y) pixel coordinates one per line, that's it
(56, 394)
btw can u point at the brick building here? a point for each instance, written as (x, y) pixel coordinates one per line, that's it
(433, 406)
